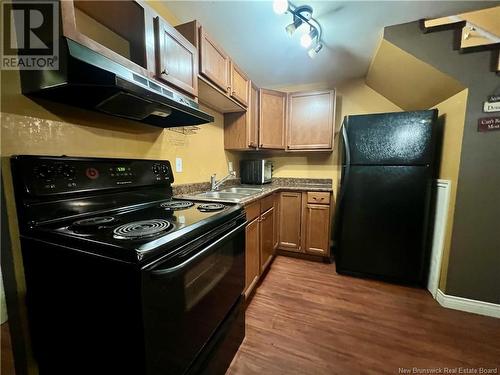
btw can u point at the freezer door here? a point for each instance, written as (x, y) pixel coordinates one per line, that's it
(401, 138)
(382, 221)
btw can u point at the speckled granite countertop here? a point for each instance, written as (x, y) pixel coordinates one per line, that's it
(187, 191)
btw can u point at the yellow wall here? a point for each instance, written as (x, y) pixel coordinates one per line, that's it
(407, 81)
(31, 127)
(353, 98)
(453, 110)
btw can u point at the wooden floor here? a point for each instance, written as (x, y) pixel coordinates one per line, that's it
(306, 319)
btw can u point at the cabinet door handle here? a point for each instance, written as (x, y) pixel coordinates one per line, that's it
(234, 93)
(228, 89)
(164, 72)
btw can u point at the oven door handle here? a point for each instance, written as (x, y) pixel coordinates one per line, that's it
(168, 272)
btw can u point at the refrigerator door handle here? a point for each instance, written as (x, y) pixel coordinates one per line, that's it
(346, 162)
(343, 182)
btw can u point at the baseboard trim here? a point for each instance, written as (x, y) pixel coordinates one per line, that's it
(468, 305)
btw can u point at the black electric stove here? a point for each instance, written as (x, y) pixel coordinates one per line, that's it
(120, 276)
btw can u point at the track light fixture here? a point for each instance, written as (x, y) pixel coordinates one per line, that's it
(302, 21)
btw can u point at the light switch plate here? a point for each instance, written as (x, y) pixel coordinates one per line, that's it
(178, 164)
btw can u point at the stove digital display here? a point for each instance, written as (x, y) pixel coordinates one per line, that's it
(121, 169)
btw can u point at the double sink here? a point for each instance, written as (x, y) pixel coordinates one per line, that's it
(234, 194)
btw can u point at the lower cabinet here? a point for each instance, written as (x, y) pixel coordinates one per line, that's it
(252, 253)
(293, 221)
(317, 229)
(290, 221)
(266, 238)
(260, 237)
(305, 222)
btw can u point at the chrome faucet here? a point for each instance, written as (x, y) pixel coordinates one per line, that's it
(214, 185)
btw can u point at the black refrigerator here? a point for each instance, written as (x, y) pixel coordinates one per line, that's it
(382, 223)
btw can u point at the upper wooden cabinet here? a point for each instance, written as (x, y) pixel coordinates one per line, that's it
(176, 58)
(214, 62)
(221, 84)
(132, 34)
(254, 114)
(240, 85)
(272, 119)
(241, 129)
(310, 124)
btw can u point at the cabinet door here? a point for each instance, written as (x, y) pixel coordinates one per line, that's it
(317, 229)
(266, 239)
(240, 85)
(290, 221)
(252, 255)
(176, 58)
(214, 62)
(276, 197)
(253, 113)
(310, 120)
(272, 119)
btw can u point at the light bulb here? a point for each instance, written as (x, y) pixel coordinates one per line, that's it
(290, 29)
(306, 40)
(280, 6)
(314, 51)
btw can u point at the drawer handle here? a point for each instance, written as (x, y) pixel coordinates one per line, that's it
(316, 198)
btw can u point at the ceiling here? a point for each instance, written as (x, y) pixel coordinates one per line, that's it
(254, 36)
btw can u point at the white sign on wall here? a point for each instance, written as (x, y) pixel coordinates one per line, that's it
(491, 107)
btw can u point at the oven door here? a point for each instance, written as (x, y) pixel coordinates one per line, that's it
(186, 297)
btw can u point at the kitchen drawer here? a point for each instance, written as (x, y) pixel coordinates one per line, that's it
(266, 203)
(318, 197)
(252, 210)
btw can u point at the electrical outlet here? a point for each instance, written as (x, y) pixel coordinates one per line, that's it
(178, 164)
(230, 166)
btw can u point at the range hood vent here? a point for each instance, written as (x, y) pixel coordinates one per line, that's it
(86, 79)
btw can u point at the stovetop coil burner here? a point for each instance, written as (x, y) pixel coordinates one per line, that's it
(141, 229)
(93, 223)
(209, 207)
(177, 205)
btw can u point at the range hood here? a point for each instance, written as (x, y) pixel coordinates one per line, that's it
(87, 79)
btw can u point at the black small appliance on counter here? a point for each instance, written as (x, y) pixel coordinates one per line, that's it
(256, 172)
(121, 279)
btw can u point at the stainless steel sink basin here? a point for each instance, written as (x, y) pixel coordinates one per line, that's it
(234, 194)
(218, 196)
(246, 191)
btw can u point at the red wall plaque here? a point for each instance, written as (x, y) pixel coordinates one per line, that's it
(486, 124)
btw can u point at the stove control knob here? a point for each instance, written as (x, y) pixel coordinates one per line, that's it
(156, 169)
(67, 171)
(164, 168)
(44, 171)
